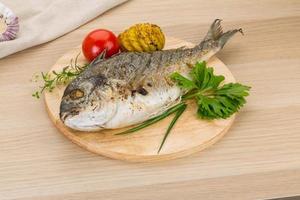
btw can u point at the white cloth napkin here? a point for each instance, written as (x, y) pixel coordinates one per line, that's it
(44, 20)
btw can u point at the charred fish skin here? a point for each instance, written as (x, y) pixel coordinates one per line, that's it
(131, 87)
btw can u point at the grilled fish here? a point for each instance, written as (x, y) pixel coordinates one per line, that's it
(132, 87)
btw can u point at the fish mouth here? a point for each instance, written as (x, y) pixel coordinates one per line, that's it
(66, 114)
(76, 121)
(87, 128)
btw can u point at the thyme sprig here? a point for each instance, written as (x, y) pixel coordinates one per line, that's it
(54, 78)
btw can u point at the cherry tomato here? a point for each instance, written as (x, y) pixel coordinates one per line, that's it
(99, 40)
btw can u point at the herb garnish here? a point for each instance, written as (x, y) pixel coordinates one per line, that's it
(54, 78)
(215, 101)
(69, 72)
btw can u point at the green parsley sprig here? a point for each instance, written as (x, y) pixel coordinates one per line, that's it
(214, 100)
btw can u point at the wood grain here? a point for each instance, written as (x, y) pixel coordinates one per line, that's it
(259, 159)
(190, 135)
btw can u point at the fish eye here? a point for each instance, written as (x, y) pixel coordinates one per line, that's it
(76, 94)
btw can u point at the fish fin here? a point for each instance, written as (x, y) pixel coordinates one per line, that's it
(99, 58)
(216, 33)
(227, 35)
(182, 48)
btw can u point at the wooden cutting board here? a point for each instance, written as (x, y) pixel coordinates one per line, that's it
(189, 135)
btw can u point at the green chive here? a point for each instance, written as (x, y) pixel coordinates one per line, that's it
(178, 114)
(154, 119)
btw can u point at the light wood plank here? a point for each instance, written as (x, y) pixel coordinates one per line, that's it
(259, 158)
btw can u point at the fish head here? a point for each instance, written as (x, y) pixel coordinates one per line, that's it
(86, 104)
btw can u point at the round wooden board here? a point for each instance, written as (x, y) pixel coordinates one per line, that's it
(189, 135)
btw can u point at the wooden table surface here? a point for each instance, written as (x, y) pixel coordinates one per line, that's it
(258, 158)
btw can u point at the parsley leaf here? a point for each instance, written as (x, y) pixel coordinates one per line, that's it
(183, 82)
(214, 100)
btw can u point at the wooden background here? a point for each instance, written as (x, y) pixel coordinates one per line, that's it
(258, 158)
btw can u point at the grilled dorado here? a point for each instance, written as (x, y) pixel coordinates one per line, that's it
(132, 87)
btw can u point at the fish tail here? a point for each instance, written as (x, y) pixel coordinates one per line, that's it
(216, 33)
